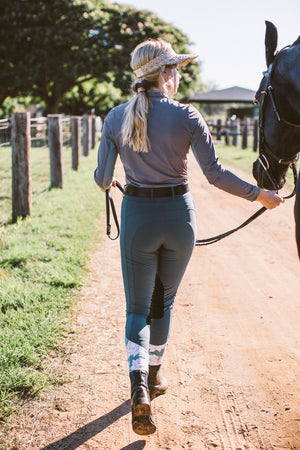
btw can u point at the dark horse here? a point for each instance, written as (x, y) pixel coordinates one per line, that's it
(279, 122)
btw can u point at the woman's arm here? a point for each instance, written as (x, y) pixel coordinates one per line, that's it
(204, 151)
(107, 155)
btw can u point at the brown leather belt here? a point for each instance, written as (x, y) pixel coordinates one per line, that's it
(156, 192)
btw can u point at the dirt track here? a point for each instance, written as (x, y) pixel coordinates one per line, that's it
(233, 356)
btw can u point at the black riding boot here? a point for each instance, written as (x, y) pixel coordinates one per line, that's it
(156, 382)
(142, 420)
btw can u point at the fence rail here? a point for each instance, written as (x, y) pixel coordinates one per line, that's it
(78, 133)
(232, 129)
(22, 132)
(38, 132)
(66, 130)
(5, 132)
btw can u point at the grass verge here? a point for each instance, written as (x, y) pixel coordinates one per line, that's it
(243, 159)
(42, 262)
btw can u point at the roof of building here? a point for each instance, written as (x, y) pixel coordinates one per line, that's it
(234, 94)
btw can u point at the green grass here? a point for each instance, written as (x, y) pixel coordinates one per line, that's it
(42, 262)
(236, 157)
(243, 159)
(40, 176)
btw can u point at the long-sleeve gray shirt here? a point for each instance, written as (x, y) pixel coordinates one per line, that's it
(173, 128)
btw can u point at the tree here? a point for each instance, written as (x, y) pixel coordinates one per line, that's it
(49, 49)
(91, 95)
(128, 27)
(44, 48)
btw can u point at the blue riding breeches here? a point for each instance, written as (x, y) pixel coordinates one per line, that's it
(157, 239)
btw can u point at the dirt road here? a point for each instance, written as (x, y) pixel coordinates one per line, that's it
(233, 356)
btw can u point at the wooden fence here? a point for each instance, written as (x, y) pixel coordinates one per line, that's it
(54, 131)
(77, 132)
(232, 129)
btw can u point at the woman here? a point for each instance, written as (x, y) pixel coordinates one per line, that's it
(152, 135)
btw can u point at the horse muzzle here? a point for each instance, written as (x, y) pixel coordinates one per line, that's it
(259, 174)
(265, 179)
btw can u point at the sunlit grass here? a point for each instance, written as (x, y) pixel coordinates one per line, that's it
(243, 159)
(42, 262)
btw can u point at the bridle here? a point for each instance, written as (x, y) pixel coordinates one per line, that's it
(264, 149)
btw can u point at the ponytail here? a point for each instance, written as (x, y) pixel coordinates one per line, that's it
(134, 130)
(135, 125)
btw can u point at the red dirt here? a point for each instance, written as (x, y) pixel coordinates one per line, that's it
(233, 356)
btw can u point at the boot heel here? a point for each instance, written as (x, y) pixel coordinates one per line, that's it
(142, 420)
(158, 384)
(142, 410)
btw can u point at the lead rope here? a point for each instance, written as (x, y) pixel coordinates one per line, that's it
(212, 240)
(199, 242)
(110, 205)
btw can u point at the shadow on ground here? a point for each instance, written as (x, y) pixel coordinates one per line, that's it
(82, 435)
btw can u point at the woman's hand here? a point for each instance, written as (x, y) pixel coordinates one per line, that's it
(114, 184)
(269, 199)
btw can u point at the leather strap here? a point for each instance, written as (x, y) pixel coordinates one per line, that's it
(156, 192)
(110, 205)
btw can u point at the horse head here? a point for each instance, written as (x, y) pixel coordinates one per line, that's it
(278, 97)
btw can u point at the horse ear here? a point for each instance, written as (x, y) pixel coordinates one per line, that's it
(271, 38)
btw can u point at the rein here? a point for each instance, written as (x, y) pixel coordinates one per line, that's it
(199, 242)
(212, 240)
(111, 206)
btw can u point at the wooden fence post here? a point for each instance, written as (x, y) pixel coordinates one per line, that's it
(93, 131)
(245, 134)
(76, 139)
(255, 134)
(219, 127)
(235, 131)
(55, 137)
(21, 174)
(226, 137)
(86, 126)
(98, 123)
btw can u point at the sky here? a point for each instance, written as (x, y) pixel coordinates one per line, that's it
(228, 35)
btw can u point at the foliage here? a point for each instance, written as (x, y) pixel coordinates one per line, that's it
(42, 262)
(40, 49)
(15, 105)
(47, 49)
(128, 27)
(91, 95)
